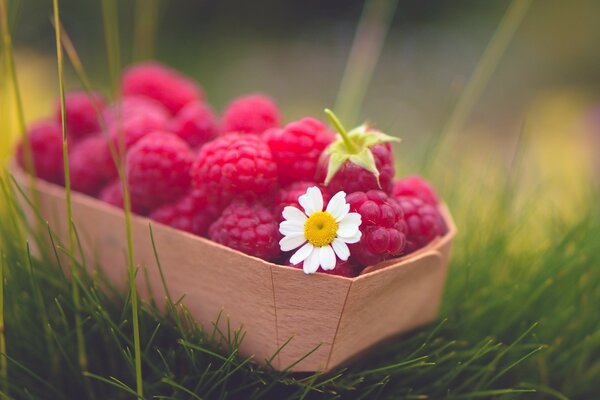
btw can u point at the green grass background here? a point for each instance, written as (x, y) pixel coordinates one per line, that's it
(519, 317)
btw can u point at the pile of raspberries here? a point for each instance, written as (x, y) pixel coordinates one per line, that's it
(227, 177)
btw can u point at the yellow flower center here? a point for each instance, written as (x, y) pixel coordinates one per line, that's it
(320, 229)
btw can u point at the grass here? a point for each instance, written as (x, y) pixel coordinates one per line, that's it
(519, 316)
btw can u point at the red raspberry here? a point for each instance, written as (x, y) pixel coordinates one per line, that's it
(158, 169)
(342, 268)
(91, 165)
(354, 178)
(113, 195)
(134, 105)
(191, 213)
(415, 186)
(81, 112)
(383, 227)
(45, 139)
(254, 113)
(161, 83)
(134, 127)
(235, 165)
(288, 196)
(298, 147)
(424, 222)
(195, 123)
(249, 228)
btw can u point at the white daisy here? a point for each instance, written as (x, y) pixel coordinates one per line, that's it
(321, 235)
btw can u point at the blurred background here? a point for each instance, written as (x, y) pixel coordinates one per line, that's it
(547, 80)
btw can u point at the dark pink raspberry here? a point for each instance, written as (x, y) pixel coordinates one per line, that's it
(82, 111)
(248, 227)
(113, 195)
(254, 113)
(91, 165)
(353, 178)
(191, 213)
(195, 123)
(235, 165)
(161, 83)
(424, 222)
(297, 148)
(134, 127)
(45, 139)
(415, 186)
(342, 268)
(288, 196)
(134, 105)
(383, 227)
(158, 169)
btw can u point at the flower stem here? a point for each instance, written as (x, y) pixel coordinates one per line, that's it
(340, 128)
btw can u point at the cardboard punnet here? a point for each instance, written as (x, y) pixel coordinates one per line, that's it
(335, 317)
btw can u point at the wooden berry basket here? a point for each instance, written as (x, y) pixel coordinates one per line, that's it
(339, 317)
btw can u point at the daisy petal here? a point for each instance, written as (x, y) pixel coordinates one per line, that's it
(293, 214)
(290, 242)
(337, 206)
(349, 225)
(302, 254)
(311, 201)
(291, 227)
(352, 239)
(341, 249)
(326, 258)
(311, 264)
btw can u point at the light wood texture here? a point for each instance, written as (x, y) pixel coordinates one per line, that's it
(339, 317)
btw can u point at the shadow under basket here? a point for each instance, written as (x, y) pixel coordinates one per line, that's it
(331, 317)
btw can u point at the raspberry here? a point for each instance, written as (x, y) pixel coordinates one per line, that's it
(354, 178)
(415, 186)
(288, 196)
(113, 195)
(134, 127)
(383, 227)
(45, 138)
(249, 228)
(235, 165)
(134, 105)
(81, 112)
(91, 165)
(424, 222)
(191, 213)
(158, 169)
(342, 268)
(254, 113)
(297, 148)
(195, 123)
(161, 83)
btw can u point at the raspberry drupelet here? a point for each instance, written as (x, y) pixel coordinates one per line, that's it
(254, 113)
(45, 139)
(416, 186)
(424, 222)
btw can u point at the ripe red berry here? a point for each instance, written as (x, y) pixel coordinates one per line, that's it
(248, 227)
(161, 83)
(415, 186)
(383, 227)
(134, 105)
(134, 127)
(235, 165)
(354, 178)
(113, 195)
(297, 148)
(288, 196)
(254, 113)
(82, 112)
(191, 213)
(423, 220)
(91, 165)
(45, 139)
(158, 169)
(195, 123)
